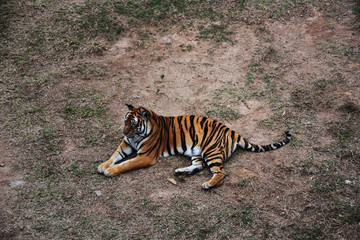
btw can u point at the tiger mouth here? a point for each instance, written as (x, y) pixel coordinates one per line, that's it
(129, 135)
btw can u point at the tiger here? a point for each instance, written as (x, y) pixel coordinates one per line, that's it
(206, 141)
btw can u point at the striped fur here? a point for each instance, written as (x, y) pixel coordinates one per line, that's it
(204, 140)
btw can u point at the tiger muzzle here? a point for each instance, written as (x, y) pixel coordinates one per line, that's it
(127, 132)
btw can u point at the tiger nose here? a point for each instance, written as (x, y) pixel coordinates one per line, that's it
(126, 130)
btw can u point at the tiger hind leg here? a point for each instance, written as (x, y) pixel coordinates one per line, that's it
(219, 174)
(196, 166)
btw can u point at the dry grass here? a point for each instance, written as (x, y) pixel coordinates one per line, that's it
(261, 66)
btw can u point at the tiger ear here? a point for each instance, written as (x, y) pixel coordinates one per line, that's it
(146, 114)
(129, 106)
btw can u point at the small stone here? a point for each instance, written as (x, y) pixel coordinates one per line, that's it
(2, 165)
(349, 182)
(17, 183)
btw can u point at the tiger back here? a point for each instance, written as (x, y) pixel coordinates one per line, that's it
(206, 141)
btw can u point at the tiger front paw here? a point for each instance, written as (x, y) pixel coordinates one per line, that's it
(102, 167)
(210, 184)
(112, 171)
(206, 186)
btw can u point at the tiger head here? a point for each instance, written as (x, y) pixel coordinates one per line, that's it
(136, 122)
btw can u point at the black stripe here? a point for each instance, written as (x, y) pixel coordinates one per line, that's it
(123, 153)
(246, 145)
(192, 119)
(159, 144)
(182, 137)
(218, 139)
(267, 147)
(166, 133)
(150, 150)
(220, 134)
(277, 145)
(205, 134)
(212, 148)
(193, 135)
(162, 122)
(174, 136)
(213, 155)
(182, 134)
(185, 123)
(168, 146)
(202, 122)
(232, 141)
(232, 135)
(127, 143)
(217, 164)
(179, 119)
(212, 133)
(226, 145)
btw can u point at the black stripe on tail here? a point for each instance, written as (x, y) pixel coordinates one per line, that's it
(263, 148)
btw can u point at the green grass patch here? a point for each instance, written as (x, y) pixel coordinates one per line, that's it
(6, 10)
(351, 108)
(249, 78)
(147, 11)
(356, 8)
(222, 112)
(190, 224)
(350, 51)
(84, 104)
(310, 232)
(278, 9)
(96, 18)
(215, 32)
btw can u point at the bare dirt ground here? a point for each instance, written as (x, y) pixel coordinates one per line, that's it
(8, 176)
(276, 66)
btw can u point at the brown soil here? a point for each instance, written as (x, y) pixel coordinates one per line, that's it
(7, 176)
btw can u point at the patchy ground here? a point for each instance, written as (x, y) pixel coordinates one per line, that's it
(262, 67)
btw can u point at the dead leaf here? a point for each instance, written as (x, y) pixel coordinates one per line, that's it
(172, 180)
